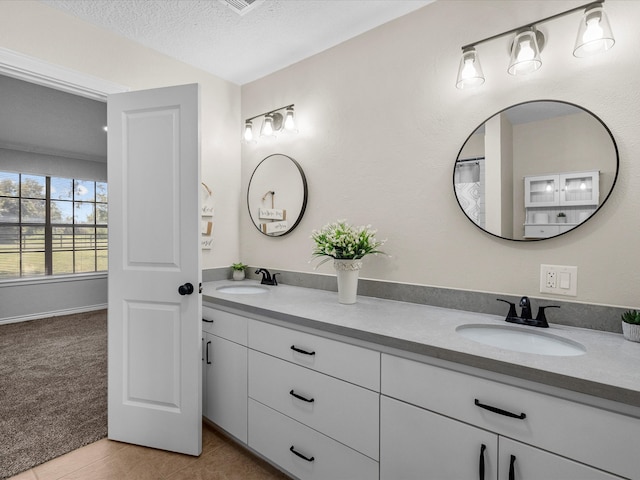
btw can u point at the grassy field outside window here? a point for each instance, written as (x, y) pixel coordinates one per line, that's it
(51, 226)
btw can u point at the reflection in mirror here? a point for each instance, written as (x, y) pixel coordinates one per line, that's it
(535, 170)
(277, 195)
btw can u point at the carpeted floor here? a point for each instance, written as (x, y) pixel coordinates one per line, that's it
(53, 388)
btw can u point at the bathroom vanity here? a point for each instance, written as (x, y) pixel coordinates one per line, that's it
(386, 389)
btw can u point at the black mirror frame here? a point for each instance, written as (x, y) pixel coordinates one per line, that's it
(304, 199)
(615, 179)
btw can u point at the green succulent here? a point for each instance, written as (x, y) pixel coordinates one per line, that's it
(238, 266)
(632, 317)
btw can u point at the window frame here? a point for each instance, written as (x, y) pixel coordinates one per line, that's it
(49, 226)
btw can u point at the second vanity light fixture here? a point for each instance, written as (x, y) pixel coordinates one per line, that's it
(594, 36)
(274, 121)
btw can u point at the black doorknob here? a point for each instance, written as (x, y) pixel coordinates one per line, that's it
(186, 289)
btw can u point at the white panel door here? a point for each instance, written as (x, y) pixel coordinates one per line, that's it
(155, 331)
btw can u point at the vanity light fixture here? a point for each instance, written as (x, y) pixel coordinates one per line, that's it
(594, 36)
(273, 122)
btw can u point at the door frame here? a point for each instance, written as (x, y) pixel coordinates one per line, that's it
(34, 70)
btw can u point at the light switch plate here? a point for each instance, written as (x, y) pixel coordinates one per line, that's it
(559, 280)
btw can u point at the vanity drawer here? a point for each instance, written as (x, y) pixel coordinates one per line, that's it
(541, 231)
(273, 435)
(348, 362)
(226, 325)
(588, 434)
(340, 410)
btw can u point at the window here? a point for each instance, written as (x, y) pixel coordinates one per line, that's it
(51, 226)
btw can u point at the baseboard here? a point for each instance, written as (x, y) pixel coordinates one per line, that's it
(57, 313)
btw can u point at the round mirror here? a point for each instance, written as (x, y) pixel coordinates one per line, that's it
(277, 195)
(535, 170)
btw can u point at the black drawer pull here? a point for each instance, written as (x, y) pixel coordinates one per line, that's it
(483, 447)
(304, 457)
(304, 352)
(512, 468)
(499, 411)
(207, 321)
(300, 397)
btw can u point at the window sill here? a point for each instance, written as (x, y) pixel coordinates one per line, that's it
(77, 277)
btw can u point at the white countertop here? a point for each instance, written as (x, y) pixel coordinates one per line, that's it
(608, 369)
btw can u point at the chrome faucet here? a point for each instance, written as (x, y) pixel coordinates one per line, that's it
(525, 315)
(267, 278)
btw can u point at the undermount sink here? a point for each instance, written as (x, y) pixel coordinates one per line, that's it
(521, 339)
(242, 289)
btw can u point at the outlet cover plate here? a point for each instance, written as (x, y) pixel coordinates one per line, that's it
(559, 280)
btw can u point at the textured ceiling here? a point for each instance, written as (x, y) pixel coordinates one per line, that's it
(211, 36)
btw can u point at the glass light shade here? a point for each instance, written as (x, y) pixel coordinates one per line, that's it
(248, 132)
(470, 71)
(289, 121)
(267, 129)
(525, 54)
(594, 34)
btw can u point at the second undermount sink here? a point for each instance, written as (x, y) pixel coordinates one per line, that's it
(242, 289)
(521, 339)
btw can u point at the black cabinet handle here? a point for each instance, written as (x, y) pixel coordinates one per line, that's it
(512, 468)
(522, 416)
(299, 350)
(208, 361)
(300, 397)
(304, 457)
(483, 447)
(207, 321)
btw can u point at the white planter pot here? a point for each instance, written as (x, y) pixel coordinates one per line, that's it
(347, 272)
(631, 331)
(238, 274)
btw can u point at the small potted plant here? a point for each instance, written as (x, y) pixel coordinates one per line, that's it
(631, 325)
(562, 218)
(238, 270)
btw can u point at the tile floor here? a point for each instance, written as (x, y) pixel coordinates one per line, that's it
(221, 459)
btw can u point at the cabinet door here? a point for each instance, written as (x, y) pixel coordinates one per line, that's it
(541, 191)
(522, 462)
(580, 188)
(225, 399)
(418, 444)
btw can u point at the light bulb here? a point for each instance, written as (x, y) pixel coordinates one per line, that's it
(289, 120)
(583, 185)
(525, 53)
(594, 34)
(549, 187)
(267, 127)
(470, 71)
(248, 132)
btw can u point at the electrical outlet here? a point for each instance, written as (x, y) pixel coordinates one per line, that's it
(551, 279)
(559, 280)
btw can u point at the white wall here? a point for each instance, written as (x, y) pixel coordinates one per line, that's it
(36, 30)
(381, 124)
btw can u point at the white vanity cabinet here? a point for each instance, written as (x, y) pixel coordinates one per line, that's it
(563, 189)
(575, 194)
(225, 371)
(445, 417)
(313, 403)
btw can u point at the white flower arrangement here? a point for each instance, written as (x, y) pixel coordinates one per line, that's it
(341, 241)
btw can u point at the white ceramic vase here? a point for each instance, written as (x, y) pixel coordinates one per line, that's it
(347, 273)
(238, 274)
(631, 331)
